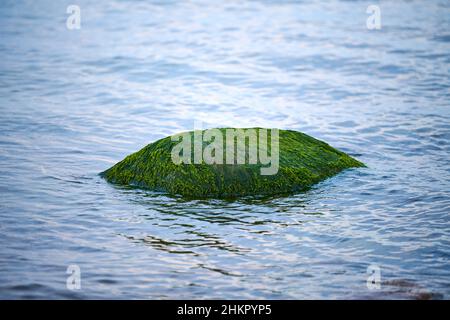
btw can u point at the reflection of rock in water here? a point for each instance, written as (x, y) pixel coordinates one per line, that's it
(402, 289)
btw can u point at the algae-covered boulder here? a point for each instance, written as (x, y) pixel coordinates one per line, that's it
(227, 162)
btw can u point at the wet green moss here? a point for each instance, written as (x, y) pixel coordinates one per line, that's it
(303, 161)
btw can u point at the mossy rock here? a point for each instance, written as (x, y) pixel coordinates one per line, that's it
(303, 162)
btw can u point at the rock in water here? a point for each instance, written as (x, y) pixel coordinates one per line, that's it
(209, 171)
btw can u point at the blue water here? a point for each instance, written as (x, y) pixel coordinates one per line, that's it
(74, 102)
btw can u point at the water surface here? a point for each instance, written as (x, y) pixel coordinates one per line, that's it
(74, 102)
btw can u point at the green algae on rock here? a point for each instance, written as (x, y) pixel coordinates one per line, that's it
(303, 161)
